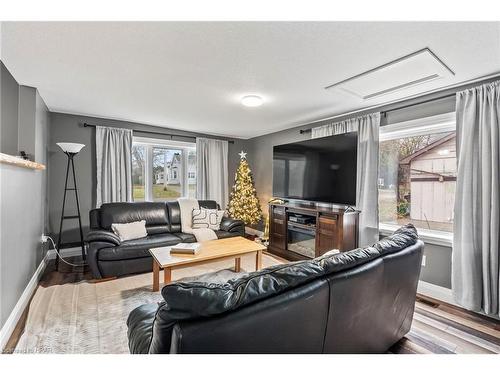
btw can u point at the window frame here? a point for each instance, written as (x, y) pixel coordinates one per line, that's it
(149, 144)
(442, 123)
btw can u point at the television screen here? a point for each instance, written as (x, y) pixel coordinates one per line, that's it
(320, 169)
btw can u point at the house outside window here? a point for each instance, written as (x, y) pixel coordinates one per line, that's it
(417, 175)
(160, 169)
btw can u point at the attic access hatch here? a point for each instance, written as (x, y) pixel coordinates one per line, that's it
(414, 69)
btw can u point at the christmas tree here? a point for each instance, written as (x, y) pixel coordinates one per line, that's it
(243, 202)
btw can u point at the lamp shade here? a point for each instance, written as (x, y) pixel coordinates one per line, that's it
(72, 148)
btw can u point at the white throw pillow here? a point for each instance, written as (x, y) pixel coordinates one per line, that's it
(207, 218)
(130, 231)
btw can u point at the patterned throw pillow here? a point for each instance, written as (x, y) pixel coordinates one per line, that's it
(207, 218)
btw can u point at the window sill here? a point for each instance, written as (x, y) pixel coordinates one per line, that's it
(428, 236)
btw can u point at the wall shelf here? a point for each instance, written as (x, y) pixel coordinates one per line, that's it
(13, 160)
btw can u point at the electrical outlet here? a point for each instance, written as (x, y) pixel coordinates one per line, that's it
(44, 238)
(423, 260)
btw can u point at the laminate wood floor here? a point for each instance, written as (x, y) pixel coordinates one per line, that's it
(445, 329)
(437, 327)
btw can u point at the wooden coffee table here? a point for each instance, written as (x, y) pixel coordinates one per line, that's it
(210, 251)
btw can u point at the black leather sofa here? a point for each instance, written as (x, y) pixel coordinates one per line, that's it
(361, 301)
(108, 256)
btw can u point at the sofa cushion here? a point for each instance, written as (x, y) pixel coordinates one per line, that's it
(174, 214)
(215, 277)
(223, 234)
(229, 225)
(154, 213)
(403, 237)
(185, 237)
(343, 261)
(138, 248)
(158, 229)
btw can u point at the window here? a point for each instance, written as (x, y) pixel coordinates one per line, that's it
(138, 171)
(417, 174)
(167, 163)
(191, 173)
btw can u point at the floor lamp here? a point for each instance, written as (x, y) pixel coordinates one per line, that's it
(70, 149)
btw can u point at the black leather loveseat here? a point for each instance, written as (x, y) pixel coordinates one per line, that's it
(361, 301)
(108, 256)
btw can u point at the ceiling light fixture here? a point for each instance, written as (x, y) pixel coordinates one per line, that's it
(252, 101)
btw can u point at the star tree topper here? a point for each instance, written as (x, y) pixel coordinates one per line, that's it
(243, 155)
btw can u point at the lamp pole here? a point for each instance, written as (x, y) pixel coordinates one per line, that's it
(70, 149)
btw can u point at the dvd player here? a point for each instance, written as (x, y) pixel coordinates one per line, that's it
(302, 219)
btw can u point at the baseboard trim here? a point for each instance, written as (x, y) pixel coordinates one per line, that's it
(24, 300)
(22, 304)
(69, 252)
(437, 292)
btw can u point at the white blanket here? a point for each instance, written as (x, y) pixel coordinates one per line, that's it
(187, 205)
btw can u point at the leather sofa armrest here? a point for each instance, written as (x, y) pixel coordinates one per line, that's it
(140, 328)
(150, 329)
(103, 236)
(232, 225)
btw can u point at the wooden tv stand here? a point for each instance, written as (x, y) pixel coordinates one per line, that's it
(327, 228)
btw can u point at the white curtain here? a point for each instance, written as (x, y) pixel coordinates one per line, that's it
(114, 165)
(212, 171)
(367, 169)
(475, 265)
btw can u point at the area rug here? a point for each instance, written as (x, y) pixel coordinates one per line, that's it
(91, 317)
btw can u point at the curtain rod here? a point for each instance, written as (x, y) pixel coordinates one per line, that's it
(87, 125)
(384, 113)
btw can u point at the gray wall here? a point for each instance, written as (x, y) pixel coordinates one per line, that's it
(26, 131)
(69, 128)
(22, 192)
(9, 104)
(437, 269)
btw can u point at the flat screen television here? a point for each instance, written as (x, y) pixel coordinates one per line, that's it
(319, 170)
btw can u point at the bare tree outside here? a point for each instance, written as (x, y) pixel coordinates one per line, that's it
(138, 171)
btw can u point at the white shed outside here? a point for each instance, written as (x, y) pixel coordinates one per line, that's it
(433, 172)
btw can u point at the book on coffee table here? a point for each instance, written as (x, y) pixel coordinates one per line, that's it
(185, 248)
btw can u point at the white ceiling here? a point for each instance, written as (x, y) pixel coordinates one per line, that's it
(191, 75)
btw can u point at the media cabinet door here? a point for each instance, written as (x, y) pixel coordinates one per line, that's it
(278, 228)
(327, 234)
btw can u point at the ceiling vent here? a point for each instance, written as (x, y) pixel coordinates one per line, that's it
(414, 69)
